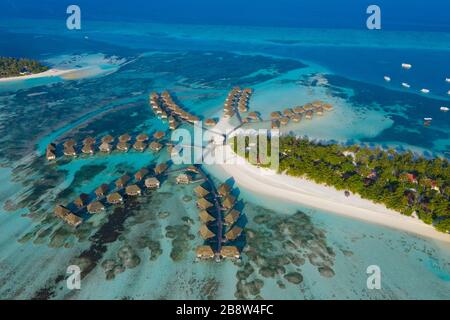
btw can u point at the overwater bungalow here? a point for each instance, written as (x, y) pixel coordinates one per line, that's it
(288, 112)
(122, 181)
(317, 104)
(228, 114)
(233, 233)
(210, 122)
(50, 155)
(89, 140)
(229, 202)
(82, 200)
(204, 204)
(133, 190)
(232, 217)
(125, 137)
(141, 174)
(152, 183)
(160, 168)
(327, 107)
(69, 143)
(95, 207)
(155, 146)
(205, 217)
(102, 190)
(123, 146)
(139, 146)
(67, 216)
(319, 111)
(247, 91)
(224, 189)
(88, 149)
(275, 124)
(204, 252)
(183, 178)
(230, 252)
(114, 198)
(275, 115)
(51, 146)
(70, 151)
(61, 211)
(284, 121)
(105, 147)
(308, 107)
(205, 233)
(299, 110)
(201, 192)
(308, 115)
(159, 135)
(296, 118)
(142, 137)
(253, 115)
(108, 139)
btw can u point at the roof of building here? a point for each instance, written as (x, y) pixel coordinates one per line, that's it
(229, 202)
(152, 182)
(61, 211)
(114, 198)
(160, 168)
(142, 137)
(108, 139)
(159, 134)
(95, 207)
(133, 190)
(141, 173)
(205, 233)
(123, 180)
(200, 191)
(224, 189)
(232, 217)
(230, 252)
(205, 252)
(205, 216)
(204, 204)
(101, 190)
(155, 146)
(233, 233)
(125, 137)
(82, 200)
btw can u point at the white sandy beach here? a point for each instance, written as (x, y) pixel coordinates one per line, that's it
(305, 192)
(48, 73)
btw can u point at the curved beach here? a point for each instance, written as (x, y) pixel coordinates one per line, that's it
(48, 73)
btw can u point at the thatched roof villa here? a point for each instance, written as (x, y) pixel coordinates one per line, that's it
(299, 110)
(204, 204)
(201, 192)
(95, 207)
(232, 217)
(233, 233)
(139, 146)
(108, 139)
(308, 115)
(142, 137)
(67, 216)
(51, 146)
(155, 146)
(230, 252)
(102, 190)
(133, 190)
(141, 174)
(159, 135)
(205, 233)
(70, 151)
(253, 115)
(160, 168)
(105, 147)
(82, 200)
(275, 115)
(205, 216)
(224, 189)
(125, 137)
(61, 211)
(275, 124)
(114, 198)
(122, 181)
(69, 143)
(88, 149)
(50, 155)
(288, 112)
(123, 146)
(183, 178)
(152, 183)
(296, 118)
(229, 202)
(204, 252)
(192, 169)
(89, 140)
(284, 121)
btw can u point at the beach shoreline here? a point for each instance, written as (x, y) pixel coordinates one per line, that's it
(48, 73)
(299, 190)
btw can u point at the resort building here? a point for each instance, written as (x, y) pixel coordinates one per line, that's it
(152, 183)
(204, 204)
(230, 252)
(125, 137)
(155, 146)
(204, 252)
(61, 211)
(108, 139)
(205, 217)
(288, 112)
(160, 168)
(210, 122)
(299, 110)
(51, 146)
(275, 115)
(234, 233)
(82, 200)
(183, 179)
(123, 146)
(67, 216)
(133, 190)
(229, 202)
(284, 121)
(232, 217)
(69, 143)
(88, 149)
(142, 137)
(102, 190)
(50, 155)
(296, 118)
(95, 207)
(201, 192)
(139, 146)
(114, 198)
(159, 135)
(105, 147)
(70, 151)
(205, 233)
(89, 140)
(141, 174)
(224, 189)
(122, 181)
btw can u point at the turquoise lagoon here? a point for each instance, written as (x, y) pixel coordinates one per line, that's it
(199, 64)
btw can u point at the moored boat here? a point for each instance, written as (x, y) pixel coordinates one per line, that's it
(404, 84)
(406, 66)
(444, 109)
(386, 78)
(425, 91)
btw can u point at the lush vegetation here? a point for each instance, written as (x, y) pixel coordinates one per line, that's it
(11, 67)
(405, 182)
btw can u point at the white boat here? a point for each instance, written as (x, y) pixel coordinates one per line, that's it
(448, 92)
(447, 79)
(386, 78)
(404, 84)
(445, 109)
(406, 66)
(427, 119)
(425, 91)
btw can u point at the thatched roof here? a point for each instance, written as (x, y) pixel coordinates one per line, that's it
(123, 146)
(73, 220)
(108, 139)
(125, 137)
(88, 149)
(152, 183)
(101, 191)
(275, 124)
(82, 200)
(140, 145)
(192, 169)
(224, 189)
(296, 117)
(105, 147)
(201, 191)
(142, 137)
(122, 181)
(230, 252)
(141, 174)
(69, 143)
(204, 204)
(275, 115)
(50, 155)
(159, 135)
(205, 233)
(253, 115)
(299, 109)
(155, 146)
(95, 207)
(232, 217)
(89, 140)
(183, 178)
(204, 252)
(160, 168)
(114, 198)
(70, 151)
(133, 190)
(233, 233)
(61, 211)
(284, 120)
(229, 202)
(51, 146)
(205, 216)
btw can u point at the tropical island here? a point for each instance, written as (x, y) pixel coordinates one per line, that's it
(13, 67)
(403, 182)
